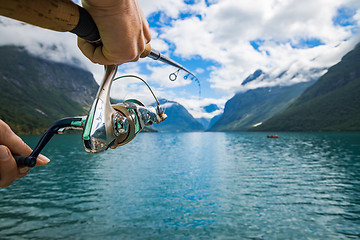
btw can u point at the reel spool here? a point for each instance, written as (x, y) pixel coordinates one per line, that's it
(110, 126)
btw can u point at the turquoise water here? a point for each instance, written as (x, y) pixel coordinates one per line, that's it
(191, 186)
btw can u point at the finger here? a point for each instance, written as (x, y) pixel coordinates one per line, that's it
(135, 59)
(22, 171)
(95, 53)
(42, 160)
(144, 36)
(8, 167)
(147, 34)
(17, 146)
(12, 141)
(145, 26)
(87, 49)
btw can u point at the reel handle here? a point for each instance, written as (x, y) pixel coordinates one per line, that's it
(27, 161)
(30, 161)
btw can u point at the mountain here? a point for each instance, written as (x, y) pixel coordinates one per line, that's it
(252, 107)
(35, 92)
(331, 104)
(179, 119)
(207, 122)
(204, 122)
(253, 76)
(214, 120)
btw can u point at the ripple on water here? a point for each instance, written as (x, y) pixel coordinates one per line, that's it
(191, 185)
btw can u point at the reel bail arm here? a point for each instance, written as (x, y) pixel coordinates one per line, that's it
(115, 125)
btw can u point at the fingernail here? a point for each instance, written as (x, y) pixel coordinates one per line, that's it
(4, 153)
(23, 170)
(43, 158)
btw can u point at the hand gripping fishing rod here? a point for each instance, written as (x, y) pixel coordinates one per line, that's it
(105, 126)
(66, 16)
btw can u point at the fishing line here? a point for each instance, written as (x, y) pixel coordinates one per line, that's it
(173, 76)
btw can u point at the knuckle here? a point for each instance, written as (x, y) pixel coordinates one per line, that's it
(130, 53)
(4, 126)
(136, 58)
(132, 56)
(128, 56)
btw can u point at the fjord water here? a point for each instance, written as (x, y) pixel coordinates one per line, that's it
(191, 186)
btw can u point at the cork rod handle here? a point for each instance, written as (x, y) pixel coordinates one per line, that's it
(57, 15)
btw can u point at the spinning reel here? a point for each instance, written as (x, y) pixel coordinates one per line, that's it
(106, 125)
(115, 125)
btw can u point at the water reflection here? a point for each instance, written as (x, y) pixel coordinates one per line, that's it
(191, 185)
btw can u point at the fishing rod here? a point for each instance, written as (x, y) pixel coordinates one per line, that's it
(66, 16)
(106, 125)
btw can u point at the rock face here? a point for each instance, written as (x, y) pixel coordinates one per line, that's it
(35, 92)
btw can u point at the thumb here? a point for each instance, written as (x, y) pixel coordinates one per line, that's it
(8, 167)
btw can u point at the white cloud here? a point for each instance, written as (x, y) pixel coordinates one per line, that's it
(199, 70)
(158, 43)
(357, 17)
(220, 32)
(160, 76)
(225, 29)
(172, 8)
(196, 106)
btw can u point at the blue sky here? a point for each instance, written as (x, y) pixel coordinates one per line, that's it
(225, 41)
(222, 42)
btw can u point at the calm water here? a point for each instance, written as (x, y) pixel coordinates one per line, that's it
(191, 186)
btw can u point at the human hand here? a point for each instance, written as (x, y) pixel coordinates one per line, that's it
(10, 144)
(123, 29)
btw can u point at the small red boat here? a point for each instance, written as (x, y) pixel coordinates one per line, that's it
(273, 136)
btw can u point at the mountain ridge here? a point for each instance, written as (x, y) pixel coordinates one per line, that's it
(179, 119)
(252, 107)
(331, 104)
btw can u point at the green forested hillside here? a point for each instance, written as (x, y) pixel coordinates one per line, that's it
(178, 120)
(35, 92)
(331, 104)
(255, 106)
